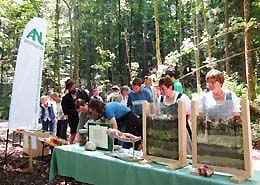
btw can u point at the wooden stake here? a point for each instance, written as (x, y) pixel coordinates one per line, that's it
(30, 153)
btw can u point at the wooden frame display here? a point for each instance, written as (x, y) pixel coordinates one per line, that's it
(223, 145)
(172, 148)
(97, 134)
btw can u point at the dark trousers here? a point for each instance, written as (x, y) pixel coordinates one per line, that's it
(61, 131)
(130, 123)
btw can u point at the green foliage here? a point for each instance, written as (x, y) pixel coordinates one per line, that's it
(256, 131)
(106, 60)
(232, 83)
(103, 67)
(103, 36)
(134, 70)
(4, 107)
(255, 113)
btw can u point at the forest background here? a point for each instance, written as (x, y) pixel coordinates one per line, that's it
(106, 42)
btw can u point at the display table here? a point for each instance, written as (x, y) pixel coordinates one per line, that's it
(96, 168)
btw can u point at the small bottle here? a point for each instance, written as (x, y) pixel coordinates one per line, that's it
(82, 136)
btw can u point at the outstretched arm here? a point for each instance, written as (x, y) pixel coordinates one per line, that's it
(126, 137)
(113, 121)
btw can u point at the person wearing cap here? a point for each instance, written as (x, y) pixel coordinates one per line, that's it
(115, 95)
(69, 108)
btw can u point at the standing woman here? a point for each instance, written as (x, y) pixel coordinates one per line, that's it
(119, 115)
(168, 101)
(218, 102)
(62, 123)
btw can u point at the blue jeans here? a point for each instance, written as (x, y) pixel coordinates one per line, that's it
(48, 125)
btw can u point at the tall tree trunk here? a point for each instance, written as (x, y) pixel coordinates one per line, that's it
(195, 21)
(145, 62)
(76, 39)
(179, 19)
(207, 31)
(69, 5)
(34, 3)
(227, 51)
(241, 40)
(57, 52)
(2, 72)
(157, 32)
(127, 54)
(129, 44)
(2, 60)
(248, 54)
(121, 62)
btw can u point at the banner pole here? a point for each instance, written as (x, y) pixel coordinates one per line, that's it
(6, 146)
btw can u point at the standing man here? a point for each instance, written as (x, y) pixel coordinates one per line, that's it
(138, 96)
(125, 90)
(148, 84)
(135, 101)
(69, 108)
(176, 82)
(96, 95)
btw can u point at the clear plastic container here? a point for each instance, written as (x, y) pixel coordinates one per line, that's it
(82, 136)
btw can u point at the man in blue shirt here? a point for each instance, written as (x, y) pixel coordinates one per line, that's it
(120, 116)
(138, 96)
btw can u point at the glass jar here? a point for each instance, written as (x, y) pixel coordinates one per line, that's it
(82, 136)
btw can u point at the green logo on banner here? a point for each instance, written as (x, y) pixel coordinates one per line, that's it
(35, 34)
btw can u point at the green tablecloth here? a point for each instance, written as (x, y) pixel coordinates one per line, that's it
(96, 168)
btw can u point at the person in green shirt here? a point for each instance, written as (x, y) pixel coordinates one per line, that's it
(176, 83)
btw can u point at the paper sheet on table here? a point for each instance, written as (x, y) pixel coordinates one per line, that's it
(98, 135)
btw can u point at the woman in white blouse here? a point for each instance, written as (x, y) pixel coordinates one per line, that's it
(218, 102)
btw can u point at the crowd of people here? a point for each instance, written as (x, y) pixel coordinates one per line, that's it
(123, 107)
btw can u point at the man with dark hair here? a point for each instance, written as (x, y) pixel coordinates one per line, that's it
(172, 74)
(120, 116)
(139, 95)
(69, 108)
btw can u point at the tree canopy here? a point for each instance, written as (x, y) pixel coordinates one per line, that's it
(111, 42)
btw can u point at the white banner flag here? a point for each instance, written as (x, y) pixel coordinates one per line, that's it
(25, 100)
